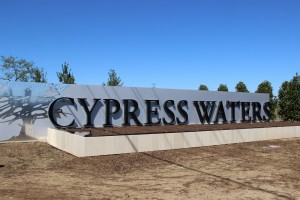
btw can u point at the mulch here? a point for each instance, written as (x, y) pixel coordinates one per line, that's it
(131, 130)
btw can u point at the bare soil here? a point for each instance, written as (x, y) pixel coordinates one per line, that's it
(129, 130)
(255, 170)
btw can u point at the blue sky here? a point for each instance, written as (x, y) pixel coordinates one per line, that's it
(173, 43)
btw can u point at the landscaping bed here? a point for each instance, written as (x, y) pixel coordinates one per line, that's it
(130, 130)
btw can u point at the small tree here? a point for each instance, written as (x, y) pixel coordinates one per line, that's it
(266, 87)
(283, 100)
(223, 87)
(241, 87)
(65, 76)
(39, 75)
(113, 79)
(203, 87)
(289, 99)
(14, 69)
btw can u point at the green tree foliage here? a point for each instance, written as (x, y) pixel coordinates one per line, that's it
(241, 87)
(113, 79)
(39, 75)
(203, 87)
(14, 69)
(289, 99)
(65, 76)
(223, 87)
(266, 87)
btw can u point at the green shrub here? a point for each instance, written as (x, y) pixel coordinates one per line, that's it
(289, 99)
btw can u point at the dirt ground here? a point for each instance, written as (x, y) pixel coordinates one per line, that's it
(256, 170)
(129, 130)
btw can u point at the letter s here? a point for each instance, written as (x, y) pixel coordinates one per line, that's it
(267, 111)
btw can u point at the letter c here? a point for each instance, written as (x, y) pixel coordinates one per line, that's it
(51, 113)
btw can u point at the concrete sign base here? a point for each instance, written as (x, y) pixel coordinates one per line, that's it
(106, 145)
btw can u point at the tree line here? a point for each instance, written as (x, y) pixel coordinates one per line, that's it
(15, 69)
(286, 105)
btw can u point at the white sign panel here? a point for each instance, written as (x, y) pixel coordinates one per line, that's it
(28, 109)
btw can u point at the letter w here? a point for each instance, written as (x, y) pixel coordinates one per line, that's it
(208, 109)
